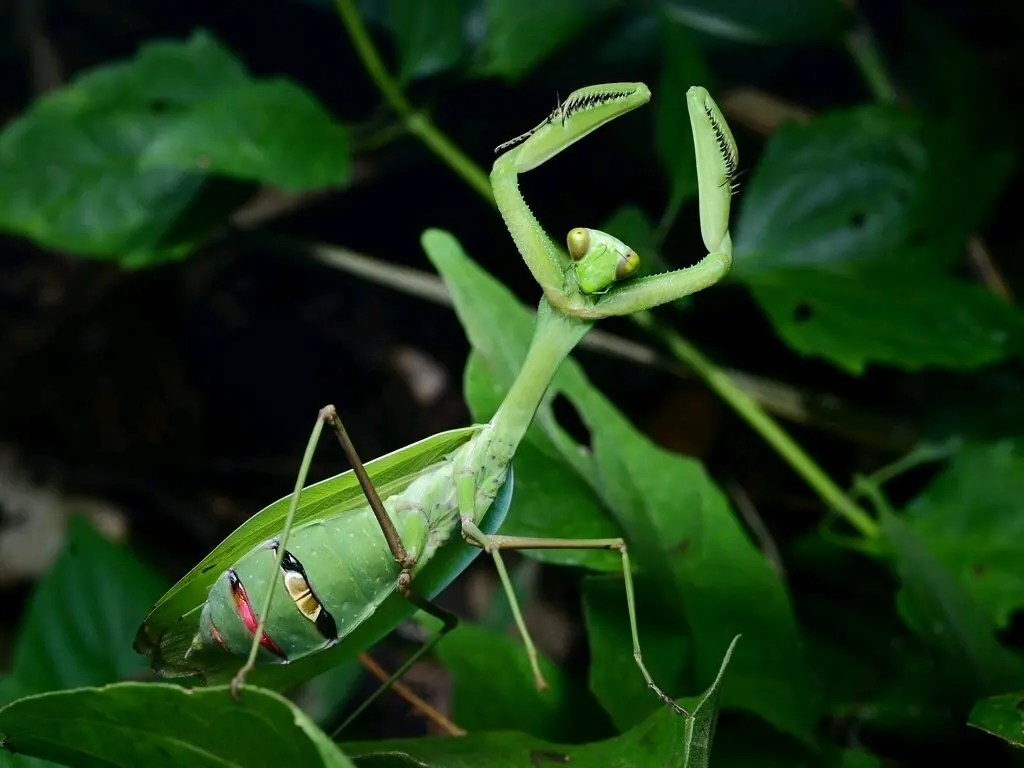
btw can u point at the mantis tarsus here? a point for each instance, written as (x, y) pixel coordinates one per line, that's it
(330, 563)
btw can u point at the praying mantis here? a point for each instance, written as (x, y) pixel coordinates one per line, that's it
(330, 569)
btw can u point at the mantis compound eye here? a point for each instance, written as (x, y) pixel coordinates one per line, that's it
(578, 241)
(628, 264)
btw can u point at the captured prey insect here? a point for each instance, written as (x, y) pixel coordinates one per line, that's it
(324, 573)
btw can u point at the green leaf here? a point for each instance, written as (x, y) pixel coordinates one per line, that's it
(135, 724)
(969, 517)
(868, 185)
(1002, 716)
(494, 688)
(682, 65)
(908, 319)
(272, 132)
(543, 484)
(76, 624)
(663, 739)
(429, 36)
(118, 163)
(614, 677)
(719, 580)
(523, 33)
(69, 165)
(757, 22)
(677, 522)
(934, 605)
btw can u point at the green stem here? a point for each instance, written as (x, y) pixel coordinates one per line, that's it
(416, 123)
(862, 47)
(546, 352)
(764, 424)
(555, 337)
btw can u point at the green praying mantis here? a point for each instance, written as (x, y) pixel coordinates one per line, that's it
(332, 568)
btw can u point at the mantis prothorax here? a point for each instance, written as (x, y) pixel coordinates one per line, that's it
(342, 563)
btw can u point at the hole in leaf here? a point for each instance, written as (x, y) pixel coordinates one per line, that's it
(569, 419)
(803, 312)
(857, 220)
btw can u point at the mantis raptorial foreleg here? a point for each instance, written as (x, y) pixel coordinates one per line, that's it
(493, 544)
(405, 561)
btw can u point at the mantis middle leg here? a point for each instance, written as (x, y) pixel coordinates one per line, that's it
(493, 544)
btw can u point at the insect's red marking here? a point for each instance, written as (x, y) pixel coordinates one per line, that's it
(216, 636)
(248, 617)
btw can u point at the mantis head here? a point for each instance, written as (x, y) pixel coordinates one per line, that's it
(600, 259)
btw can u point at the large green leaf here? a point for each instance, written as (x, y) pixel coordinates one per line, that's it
(935, 606)
(147, 724)
(891, 316)
(719, 581)
(74, 632)
(754, 21)
(663, 739)
(1002, 716)
(677, 522)
(970, 517)
(119, 162)
(867, 185)
(272, 132)
(523, 33)
(494, 689)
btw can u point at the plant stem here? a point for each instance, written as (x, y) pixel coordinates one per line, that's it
(764, 424)
(863, 48)
(715, 377)
(416, 123)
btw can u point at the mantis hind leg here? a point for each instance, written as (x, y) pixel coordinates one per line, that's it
(493, 544)
(450, 622)
(405, 560)
(329, 415)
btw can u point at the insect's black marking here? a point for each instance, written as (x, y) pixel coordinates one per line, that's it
(305, 598)
(726, 151)
(209, 568)
(573, 106)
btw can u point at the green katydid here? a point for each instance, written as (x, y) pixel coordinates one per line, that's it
(343, 561)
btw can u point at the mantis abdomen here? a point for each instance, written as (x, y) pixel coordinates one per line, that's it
(336, 571)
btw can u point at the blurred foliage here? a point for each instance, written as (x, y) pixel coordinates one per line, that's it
(852, 228)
